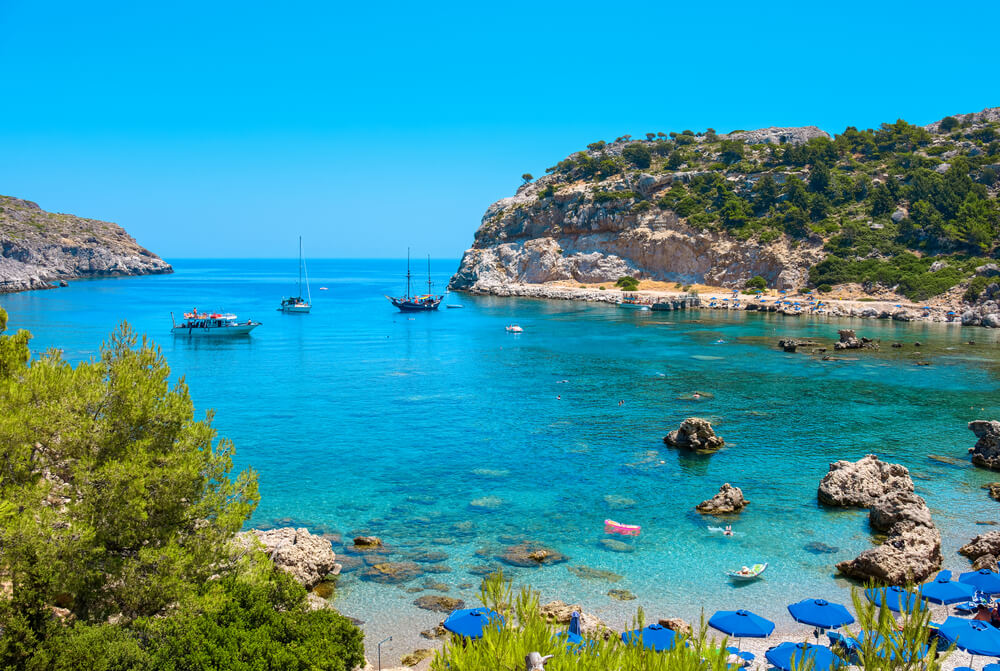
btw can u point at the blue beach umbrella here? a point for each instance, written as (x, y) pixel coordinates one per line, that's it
(945, 591)
(654, 636)
(983, 580)
(787, 654)
(820, 613)
(895, 598)
(974, 636)
(470, 622)
(741, 624)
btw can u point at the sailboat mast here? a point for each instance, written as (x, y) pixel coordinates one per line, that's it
(428, 273)
(407, 272)
(300, 266)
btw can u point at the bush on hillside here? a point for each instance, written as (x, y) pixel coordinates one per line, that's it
(627, 283)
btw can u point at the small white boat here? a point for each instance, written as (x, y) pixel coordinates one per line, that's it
(514, 328)
(323, 289)
(211, 324)
(454, 307)
(746, 574)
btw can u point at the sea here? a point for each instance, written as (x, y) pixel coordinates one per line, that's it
(452, 439)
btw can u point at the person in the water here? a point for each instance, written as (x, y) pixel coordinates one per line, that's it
(728, 531)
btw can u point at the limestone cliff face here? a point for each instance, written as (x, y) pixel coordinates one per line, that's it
(39, 247)
(533, 237)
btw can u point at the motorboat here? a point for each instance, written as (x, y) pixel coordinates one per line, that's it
(211, 324)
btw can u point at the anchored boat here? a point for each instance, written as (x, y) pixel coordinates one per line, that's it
(633, 303)
(297, 303)
(424, 303)
(211, 324)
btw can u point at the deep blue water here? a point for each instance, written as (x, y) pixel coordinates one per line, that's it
(361, 419)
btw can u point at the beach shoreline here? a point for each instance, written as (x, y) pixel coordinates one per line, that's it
(842, 303)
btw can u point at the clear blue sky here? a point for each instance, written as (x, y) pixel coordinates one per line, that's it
(226, 128)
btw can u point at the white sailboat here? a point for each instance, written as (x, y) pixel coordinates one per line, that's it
(298, 303)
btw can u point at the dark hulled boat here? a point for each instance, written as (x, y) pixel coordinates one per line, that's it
(422, 303)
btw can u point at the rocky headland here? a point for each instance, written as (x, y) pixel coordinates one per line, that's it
(793, 206)
(43, 249)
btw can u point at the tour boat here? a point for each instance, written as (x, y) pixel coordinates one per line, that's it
(514, 328)
(211, 324)
(422, 303)
(633, 303)
(297, 303)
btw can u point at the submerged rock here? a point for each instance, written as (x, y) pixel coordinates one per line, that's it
(994, 489)
(368, 542)
(861, 483)
(986, 452)
(818, 548)
(392, 573)
(308, 558)
(728, 500)
(416, 657)
(438, 603)
(621, 595)
(696, 434)
(616, 545)
(531, 555)
(588, 573)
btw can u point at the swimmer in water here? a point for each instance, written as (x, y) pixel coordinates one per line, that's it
(728, 531)
(696, 395)
(559, 398)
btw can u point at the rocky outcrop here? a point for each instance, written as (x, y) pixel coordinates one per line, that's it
(367, 542)
(696, 434)
(438, 603)
(861, 483)
(728, 500)
(531, 554)
(308, 558)
(793, 135)
(677, 624)
(986, 452)
(983, 544)
(39, 248)
(850, 340)
(912, 549)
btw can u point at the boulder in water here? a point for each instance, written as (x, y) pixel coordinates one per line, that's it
(531, 555)
(983, 544)
(985, 561)
(861, 483)
(986, 452)
(728, 500)
(696, 434)
(307, 558)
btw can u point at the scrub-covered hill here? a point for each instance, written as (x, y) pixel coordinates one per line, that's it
(901, 209)
(40, 247)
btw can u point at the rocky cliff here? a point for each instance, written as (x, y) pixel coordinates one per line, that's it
(40, 247)
(776, 202)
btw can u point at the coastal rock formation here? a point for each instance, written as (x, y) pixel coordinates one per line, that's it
(983, 544)
(986, 452)
(985, 561)
(795, 135)
(676, 624)
(696, 434)
(308, 558)
(912, 550)
(850, 340)
(728, 500)
(861, 483)
(39, 248)
(994, 490)
(438, 603)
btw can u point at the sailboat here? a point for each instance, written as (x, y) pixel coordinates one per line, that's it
(297, 303)
(422, 303)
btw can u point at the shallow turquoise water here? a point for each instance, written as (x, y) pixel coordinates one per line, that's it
(360, 419)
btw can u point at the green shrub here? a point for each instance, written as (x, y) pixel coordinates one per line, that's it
(627, 283)
(824, 288)
(756, 282)
(975, 289)
(638, 154)
(611, 196)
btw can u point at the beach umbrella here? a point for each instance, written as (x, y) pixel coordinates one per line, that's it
(895, 598)
(654, 636)
(951, 313)
(992, 667)
(573, 635)
(820, 613)
(787, 654)
(927, 307)
(946, 591)
(983, 580)
(470, 622)
(974, 636)
(741, 624)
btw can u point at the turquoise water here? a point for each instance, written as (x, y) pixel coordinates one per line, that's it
(362, 420)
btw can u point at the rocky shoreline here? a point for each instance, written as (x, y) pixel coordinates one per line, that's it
(42, 250)
(958, 314)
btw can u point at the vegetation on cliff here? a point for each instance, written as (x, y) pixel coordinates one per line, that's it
(901, 206)
(117, 516)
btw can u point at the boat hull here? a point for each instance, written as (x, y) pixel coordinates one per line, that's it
(215, 331)
(633, 306)
(299, 309)
(410, 306)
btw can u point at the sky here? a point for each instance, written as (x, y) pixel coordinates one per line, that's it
(227, 129)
